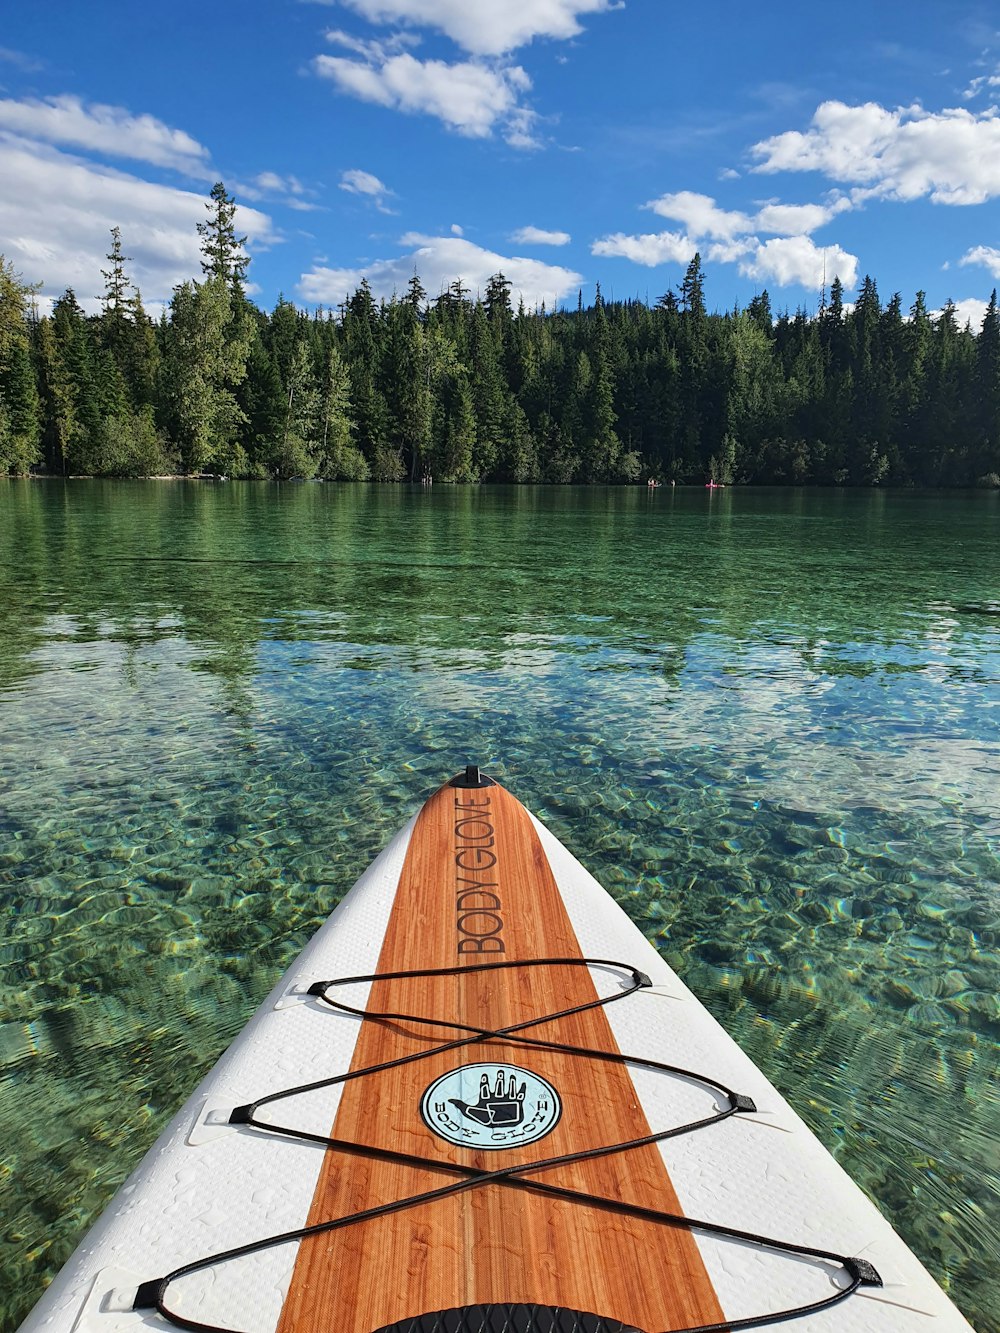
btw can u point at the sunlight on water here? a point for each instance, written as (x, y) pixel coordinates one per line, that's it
(767, 721)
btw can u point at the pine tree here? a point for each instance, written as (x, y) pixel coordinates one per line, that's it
(487, 389)
(754, 394)
(521, 448)
(916, 343)
(416, 296)
(20, 424)
(58, 414)
(693, 291)
(341, 457)
(987, 459)
(371, 414)
(497, 302)
(759, 311)
(74, 355)
(283, 335)
(262, 401)
(116, 301)
(297, 454)
(408, 385)
(950, 400)
(223, 255)
(141, 360)
(206, 361)
(457, 429)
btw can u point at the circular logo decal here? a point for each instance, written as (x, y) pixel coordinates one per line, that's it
(491, 1106)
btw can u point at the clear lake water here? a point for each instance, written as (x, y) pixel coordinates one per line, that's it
(767, 720)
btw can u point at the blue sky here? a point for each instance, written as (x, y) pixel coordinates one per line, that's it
(566, 142)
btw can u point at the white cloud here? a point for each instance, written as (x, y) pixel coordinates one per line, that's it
(539, 236)
(368, 186)
(728, 252)
(983, 81)
(651, 249)
(356, 181)
(487, 27)
(57, 211)
(456, 230)
(519, 130)
(952, 155)
(791, 260)
(270, 185)
(729, 237)
(700, 215)
(798, 219)
(786, 260)
(68, 121)
(985, 255)
(468, 97)
(703, 218)
(440, 260)
(969, 311)
(19, 59)
(273, 183)
(372, 50)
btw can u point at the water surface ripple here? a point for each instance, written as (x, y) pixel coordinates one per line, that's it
(767, 720)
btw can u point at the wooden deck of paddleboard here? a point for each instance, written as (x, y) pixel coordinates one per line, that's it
(476, 879)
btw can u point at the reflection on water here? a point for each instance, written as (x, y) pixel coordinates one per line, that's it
(767, 721)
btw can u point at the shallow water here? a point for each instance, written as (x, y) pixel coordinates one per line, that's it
(768, 721)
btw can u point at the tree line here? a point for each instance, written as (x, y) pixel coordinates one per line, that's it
(469, 389)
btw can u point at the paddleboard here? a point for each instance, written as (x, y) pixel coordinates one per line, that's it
(480, 1101)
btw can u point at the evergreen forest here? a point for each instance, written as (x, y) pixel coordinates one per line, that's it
(467, 388)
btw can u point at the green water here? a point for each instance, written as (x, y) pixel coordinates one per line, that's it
(769, 722)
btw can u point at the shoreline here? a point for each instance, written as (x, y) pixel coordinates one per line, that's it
(555, 485)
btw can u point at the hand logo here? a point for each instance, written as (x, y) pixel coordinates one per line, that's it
(497, 1107)
(515, 1106)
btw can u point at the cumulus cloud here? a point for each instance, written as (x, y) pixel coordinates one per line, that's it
(651, 249)
(786, 260)
(984, 255)
(539, 236)
(57, 211)
(728, 252)
(798, 219)
(700, 214)
(970, 311)
(471, 97)
(703, 218)
(791, 260)
(952, 156)
(729, 237)
(487, 27)
(440, 260)
(468, 97)
(68, 121)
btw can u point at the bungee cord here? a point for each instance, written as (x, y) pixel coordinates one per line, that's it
(152, 1294)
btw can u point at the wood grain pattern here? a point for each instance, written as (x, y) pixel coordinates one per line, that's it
(492, 1243)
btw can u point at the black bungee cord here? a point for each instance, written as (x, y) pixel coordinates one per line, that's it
(151, 1295)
